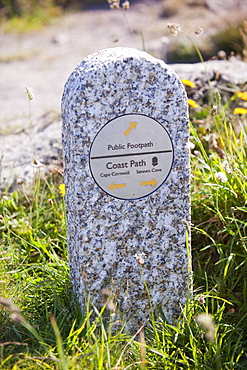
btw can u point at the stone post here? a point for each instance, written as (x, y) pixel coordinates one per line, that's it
(127, 175)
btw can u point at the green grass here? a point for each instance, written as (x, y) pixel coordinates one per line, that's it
(31, 16)
(51, 333)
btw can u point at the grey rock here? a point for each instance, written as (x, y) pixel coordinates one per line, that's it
(219, 5)
(231, 71)
(108, 235)
(28, 154)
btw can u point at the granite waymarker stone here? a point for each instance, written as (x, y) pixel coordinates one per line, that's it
(126, 156)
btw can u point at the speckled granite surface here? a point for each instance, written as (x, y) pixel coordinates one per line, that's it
(111, 240)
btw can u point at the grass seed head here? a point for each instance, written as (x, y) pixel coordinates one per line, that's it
(20, 181)
(126, 5)
(214, 110)
(173, 28)
(17, 317)
(199, 31)
(221, 176)
(106, 295)
(8, 305)
(201, 299)
(226, 166)
(140, 258)
(114, 4)
(205, 321)
(30, 93)
(37, 164)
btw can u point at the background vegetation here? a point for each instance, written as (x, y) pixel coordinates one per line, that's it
(12, 8)
(29, 15)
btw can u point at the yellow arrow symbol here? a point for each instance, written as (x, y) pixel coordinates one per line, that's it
(152, 182)
(132, 125)
(116, 186)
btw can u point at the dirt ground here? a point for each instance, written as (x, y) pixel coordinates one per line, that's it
(44, 59)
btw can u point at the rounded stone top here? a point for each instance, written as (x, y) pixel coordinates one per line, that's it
(124, 55)
(121, 80)
(113, 54)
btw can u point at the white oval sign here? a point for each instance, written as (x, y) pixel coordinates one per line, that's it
(131, 156)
